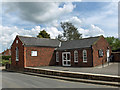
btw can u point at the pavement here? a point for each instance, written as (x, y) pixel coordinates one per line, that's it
(19, 80)
(111, 69)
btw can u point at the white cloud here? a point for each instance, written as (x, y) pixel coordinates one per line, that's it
(95, 30)
(53, 31)
(75, 20)
(9, 33)
(91, 30)
(39, 12)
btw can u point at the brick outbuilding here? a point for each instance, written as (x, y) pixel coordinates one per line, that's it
(6, 52)
(86, 52)
(31, 51)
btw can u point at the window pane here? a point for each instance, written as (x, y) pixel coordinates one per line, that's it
(75, 56)
(33, 53)
(84, 56)
(16, 41)
(68, 56)
(64, 56)
(17, 54)
(64, 62)
(68, 62)
(100, 53)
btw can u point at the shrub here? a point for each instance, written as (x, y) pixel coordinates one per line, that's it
(4, 62)
(6, 57)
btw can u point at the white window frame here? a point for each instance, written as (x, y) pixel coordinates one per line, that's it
(57, 57)
(84, 55)
(76, 56)
(34, 53)
(17, 54)
(16, 41)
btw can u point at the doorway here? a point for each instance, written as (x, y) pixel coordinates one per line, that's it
(66, 59)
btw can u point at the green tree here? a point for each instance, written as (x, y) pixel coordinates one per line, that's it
(113, 42)
(70, 32)
(43, 34)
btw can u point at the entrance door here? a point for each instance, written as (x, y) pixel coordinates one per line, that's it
(66, 59)
(108, 54)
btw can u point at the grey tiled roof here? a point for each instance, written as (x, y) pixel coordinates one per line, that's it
(33, 41)
(82, 43)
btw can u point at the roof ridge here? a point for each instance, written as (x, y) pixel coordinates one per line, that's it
(85, 38)
(35, 41)
(36, 37)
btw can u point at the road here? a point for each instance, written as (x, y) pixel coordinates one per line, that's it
(18, 80)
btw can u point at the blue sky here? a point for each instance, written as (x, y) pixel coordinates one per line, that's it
(91, 19)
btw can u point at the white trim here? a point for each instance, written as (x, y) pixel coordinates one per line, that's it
(66, 59)
(84, 60)
(75, 52)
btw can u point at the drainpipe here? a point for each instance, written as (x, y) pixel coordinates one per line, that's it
(60, 44)
(92, 54)
(102, 63)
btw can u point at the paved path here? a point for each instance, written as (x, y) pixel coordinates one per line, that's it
(111, 69)
(18, 80)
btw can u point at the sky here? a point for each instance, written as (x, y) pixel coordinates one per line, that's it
(29, 18)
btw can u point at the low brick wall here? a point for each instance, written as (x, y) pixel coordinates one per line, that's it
(75, 75)
(116, 56)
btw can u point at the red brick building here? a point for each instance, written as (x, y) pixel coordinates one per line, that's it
(31, 51)
(6, 52)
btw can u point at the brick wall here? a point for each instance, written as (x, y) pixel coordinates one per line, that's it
(14, 63)
(45, 56)
(100, 44)
(80, 58)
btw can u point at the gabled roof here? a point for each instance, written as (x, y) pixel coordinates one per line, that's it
(33, 41)
(82, 43)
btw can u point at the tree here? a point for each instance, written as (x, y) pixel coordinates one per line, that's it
(43, 34)
(113, 42)
(70, 32)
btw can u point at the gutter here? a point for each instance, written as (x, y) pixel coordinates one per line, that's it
(92, 55)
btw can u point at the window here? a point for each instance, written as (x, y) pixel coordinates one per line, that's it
(84, 56)
(33, 53)
(100, 53)
(75, 56)
(57, 57)
(17, 54)
(16, 41)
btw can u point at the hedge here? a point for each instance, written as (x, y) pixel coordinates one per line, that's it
(6, 57)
